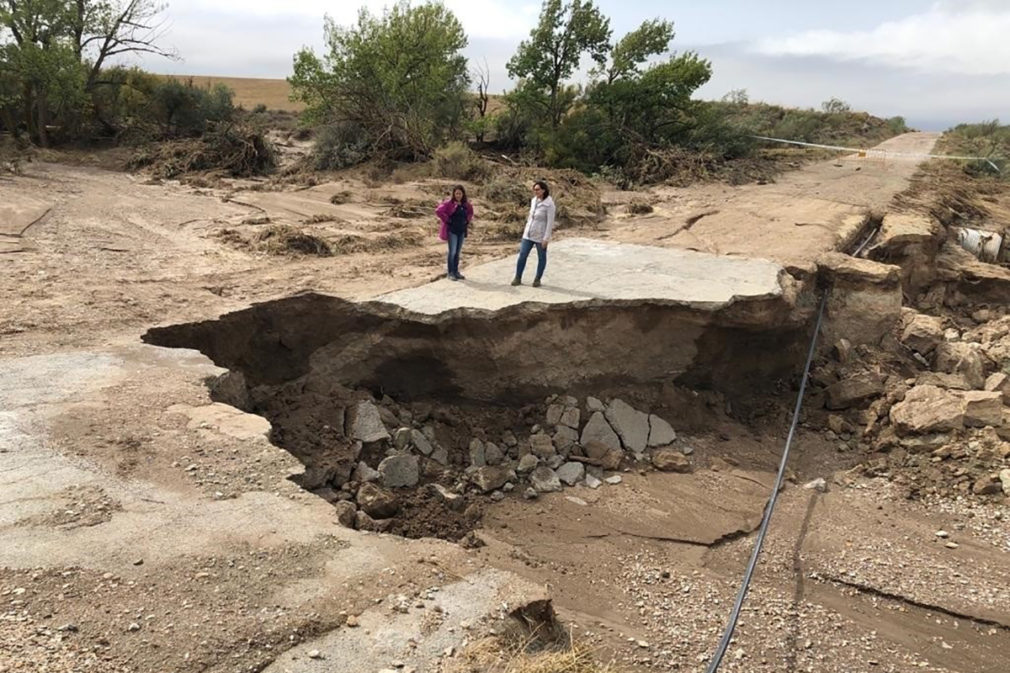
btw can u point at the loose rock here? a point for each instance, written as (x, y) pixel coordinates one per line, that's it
(661, 433)
(377, 502)
(571, 473)
(598, 430)
(545, 480)
(667, 460)
(630, 424)
(366, 423)
(399, 471)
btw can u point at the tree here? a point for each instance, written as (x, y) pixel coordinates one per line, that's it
(481, 76)
(835, 106)
(399, 78)
(53, 50)
(565, 32)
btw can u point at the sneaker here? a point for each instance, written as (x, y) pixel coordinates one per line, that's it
(460, 276)
(452, 277)
(516, 281)
(536, 282)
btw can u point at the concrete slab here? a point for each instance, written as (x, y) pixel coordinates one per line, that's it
(581, 270)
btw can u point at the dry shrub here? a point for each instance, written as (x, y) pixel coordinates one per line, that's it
(399, 240)
(282, 239)
(232, 237)
(639, 207)
(236, 150)
(341, 197)
(319, 218)
(410, 209)
(506, 197)
(502, 655)
(349, 244)
(456, 160)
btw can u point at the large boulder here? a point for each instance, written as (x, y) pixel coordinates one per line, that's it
(854, 390)
(399, 471)
(365, 423)
(982, 408)
(630, 424)
(927, 409)
(864, 299)
(377, 502)
(661, 433)
(1000, 383)
(922, 333)
(599, 430)
(962, 358)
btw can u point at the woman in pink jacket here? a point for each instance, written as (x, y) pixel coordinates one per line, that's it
(456, 213)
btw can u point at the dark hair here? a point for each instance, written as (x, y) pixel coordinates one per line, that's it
(452, 194)
(542, 184)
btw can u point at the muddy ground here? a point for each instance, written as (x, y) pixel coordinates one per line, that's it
(146, 529)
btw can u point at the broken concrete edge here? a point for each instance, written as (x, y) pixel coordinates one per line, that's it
(428, 633)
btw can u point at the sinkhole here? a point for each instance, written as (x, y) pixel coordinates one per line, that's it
(413, 424)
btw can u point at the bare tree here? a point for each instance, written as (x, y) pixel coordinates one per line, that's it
(481, 75)
(102, 30)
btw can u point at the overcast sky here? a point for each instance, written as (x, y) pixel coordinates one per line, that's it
(937, 63)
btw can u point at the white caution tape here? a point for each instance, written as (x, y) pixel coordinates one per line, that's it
(864, 152)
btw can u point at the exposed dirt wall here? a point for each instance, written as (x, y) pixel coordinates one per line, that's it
(516, 357)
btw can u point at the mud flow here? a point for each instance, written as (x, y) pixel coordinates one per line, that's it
(414, 424)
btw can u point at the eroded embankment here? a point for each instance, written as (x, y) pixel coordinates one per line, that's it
(512, 356)
(376, 401)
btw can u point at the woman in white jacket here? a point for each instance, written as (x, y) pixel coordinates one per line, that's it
(537, 233)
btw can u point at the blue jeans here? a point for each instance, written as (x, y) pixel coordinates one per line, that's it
(455, 245)
(525, 246)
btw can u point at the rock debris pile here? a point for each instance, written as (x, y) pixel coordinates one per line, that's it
(427, 470)
(933, 410)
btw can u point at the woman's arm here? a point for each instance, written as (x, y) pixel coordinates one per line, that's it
(444, 210)
(551, 209)
(469, 212)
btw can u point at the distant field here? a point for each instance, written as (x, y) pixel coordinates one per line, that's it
(250, 92)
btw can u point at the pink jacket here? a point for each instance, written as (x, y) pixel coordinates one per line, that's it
(448, 207)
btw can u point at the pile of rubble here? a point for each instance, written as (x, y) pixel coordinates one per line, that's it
(934, 411)
(565, 443)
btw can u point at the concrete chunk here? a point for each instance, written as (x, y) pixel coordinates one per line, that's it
(366, 423)
(661, 433)
(598, 430)
(928, 409)
(630, 424)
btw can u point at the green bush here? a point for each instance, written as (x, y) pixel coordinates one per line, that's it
(135, 105)
(340, 145)
(456, 160)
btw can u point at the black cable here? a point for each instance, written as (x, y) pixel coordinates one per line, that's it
(720, 651)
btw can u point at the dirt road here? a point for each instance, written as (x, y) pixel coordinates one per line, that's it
(143, 528)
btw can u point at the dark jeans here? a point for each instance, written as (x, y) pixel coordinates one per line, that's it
(455, 245)
(525, 246)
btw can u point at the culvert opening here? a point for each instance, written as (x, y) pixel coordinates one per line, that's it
(414, 424)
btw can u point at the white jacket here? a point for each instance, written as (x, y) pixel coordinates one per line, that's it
(540, 222)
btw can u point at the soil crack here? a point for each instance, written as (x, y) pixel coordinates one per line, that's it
(880, 593)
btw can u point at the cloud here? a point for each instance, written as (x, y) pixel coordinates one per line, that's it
(969, 39)
(480, 18)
